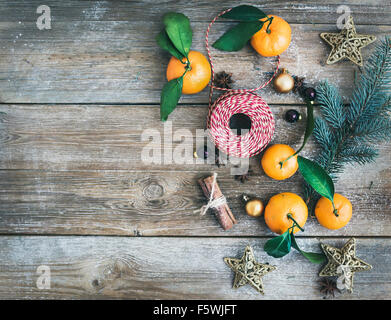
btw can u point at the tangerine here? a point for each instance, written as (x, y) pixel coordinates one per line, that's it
(272, 39)
(198, 75)
(324, 212)
(272, 159)
(281, 208)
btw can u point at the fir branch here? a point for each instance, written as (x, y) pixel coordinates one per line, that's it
(349, 134)
(377, 130)
(331, 105)
(375, 82)
(323, 134)
(360, 154)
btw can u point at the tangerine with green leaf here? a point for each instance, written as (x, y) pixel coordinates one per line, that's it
(273, 158)
(273, 38)
(283, 210)
(330, 218)
(197, 74)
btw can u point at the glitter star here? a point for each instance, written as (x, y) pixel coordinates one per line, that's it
(247, 270)
(345, 258)
(347, 43)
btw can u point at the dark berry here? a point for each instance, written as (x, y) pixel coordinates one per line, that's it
(310, 94)
(292, 116)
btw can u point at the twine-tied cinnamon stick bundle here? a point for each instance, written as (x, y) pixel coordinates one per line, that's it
(216, 202)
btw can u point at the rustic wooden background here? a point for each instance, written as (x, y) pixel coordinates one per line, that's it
(75, 196)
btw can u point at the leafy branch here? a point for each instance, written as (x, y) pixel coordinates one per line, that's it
(176, 38)
(280, 246)
(250, 23)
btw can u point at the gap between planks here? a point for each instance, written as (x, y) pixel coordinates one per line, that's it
(265, 237)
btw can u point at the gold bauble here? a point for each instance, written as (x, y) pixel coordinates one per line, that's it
(284, 82)
(254, 207)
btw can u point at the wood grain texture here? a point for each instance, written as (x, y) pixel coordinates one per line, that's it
(100, 51)
(88, 137)
(130, 197)
(75, 101)
(201, 11)
(157, 203)
(172, 268)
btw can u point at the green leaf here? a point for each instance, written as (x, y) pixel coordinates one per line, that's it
(308, 130)
(316, 177)
(245, 13)
(179, 31)
(313, 257)
(170, 96)
(237, 37)
(309, 126)
(165, 43)
(278, 247)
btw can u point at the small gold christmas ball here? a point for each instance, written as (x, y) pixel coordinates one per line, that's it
(254, 207)
(284, 82)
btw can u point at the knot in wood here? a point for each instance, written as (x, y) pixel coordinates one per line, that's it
(153, 191)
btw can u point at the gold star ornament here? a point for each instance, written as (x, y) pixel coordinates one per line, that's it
(247, 270)
(343, 263)
(347, 43)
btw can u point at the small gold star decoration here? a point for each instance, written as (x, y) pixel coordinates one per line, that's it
(347, 43)
(247, 270)
(343, 263)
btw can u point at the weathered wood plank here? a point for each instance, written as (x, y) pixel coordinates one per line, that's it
(104, 54)
(172, 268)
(59, 137)
(40, 139)
(203, 10)
(138, 203)
(100, 137)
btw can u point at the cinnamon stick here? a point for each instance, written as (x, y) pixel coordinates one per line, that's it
(223, 213)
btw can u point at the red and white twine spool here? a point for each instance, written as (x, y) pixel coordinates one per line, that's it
(236, 101)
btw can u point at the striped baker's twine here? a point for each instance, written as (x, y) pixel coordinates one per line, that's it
(239, 101)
